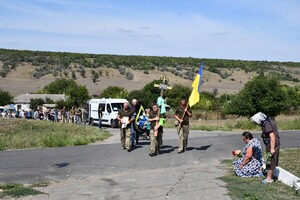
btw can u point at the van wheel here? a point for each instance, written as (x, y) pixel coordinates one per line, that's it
(114, 123)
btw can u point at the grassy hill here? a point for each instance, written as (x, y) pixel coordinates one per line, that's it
(27, 71)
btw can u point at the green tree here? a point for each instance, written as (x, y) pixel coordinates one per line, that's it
(95, 76)
(74, 75)
(35, 103)
(59, 86)
(76, 94)
(62, 103)
(5, 97)
(150, 93)
(143, 97)
(207, 102)
(82, 73)
(292, 98)
(263, 93)
(178, 92)
(114, 92)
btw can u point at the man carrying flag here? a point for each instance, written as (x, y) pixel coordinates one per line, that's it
(183, 113)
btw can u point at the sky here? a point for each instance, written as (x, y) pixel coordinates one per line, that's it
(221, 29)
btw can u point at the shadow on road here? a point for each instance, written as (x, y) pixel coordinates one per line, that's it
(60, 165)
(166, 149)
(203, 148)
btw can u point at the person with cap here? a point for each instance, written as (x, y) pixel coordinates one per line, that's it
(271, 139)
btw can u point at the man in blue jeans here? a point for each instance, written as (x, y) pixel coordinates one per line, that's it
(134, 110)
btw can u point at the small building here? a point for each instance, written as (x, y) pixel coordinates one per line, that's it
(22, 101)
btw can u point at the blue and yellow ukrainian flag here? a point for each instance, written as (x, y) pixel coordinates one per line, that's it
(195, 95)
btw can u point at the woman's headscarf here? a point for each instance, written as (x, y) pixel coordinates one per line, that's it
(259, 118)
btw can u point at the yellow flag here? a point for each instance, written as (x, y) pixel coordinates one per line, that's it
(195, 95)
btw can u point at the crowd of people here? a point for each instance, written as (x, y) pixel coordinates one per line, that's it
(133, 118)
(251, 162)
(73, 115)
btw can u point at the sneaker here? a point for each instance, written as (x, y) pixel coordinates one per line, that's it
(265, 181)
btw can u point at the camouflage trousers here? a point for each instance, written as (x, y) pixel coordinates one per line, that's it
(183, 134)
(155, 141)
(125, 135)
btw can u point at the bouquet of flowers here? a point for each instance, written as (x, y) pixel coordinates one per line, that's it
(237, 153)
(267, 157)
(266, 162)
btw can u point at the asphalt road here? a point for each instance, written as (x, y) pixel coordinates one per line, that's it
(105, 171)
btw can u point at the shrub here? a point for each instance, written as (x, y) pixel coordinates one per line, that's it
(73, 75)
(122, 70)
(129, 75)
(41, 71)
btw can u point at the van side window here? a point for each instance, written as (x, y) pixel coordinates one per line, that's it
(108, 108)
(101, 105)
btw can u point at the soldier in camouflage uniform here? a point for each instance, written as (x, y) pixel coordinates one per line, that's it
(155, 136)
(125, 117)
(183, 113)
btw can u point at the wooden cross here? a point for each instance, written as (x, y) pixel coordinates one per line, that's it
(163, 85)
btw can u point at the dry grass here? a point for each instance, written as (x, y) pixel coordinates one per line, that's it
(214, 121)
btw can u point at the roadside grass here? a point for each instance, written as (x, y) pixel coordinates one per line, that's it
(253, 189)
(289, 124)
(23, 134)
(237, 124)
(19, 190)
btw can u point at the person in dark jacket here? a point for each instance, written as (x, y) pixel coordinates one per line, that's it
(271, 139)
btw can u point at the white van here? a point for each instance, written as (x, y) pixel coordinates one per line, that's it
(110, 108)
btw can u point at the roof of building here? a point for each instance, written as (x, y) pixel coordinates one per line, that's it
(25, 98)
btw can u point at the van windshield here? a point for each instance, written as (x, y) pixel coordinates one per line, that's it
(117, 106)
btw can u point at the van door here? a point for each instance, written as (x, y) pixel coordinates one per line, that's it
(106, 114)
